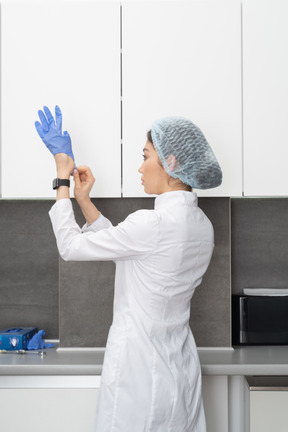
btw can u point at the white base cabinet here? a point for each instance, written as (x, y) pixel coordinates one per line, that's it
(267, 401)
(268, 411)
(62, 403)
(48, 403)
(215, 397)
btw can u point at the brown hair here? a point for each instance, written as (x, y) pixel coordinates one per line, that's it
(149, 137)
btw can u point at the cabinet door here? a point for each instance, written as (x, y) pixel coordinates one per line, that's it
(265, 97)
(183, 59)
(266, 401)
(35, 404)
(66, 54)
(72, 410)
(268, 411)
(215, 398)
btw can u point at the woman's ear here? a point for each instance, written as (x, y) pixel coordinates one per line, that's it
(171, 162)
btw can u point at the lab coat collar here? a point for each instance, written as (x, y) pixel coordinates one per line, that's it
(173, 198)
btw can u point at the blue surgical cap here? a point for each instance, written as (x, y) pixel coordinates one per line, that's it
(196, 164)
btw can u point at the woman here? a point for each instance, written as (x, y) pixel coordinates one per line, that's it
(151, 379)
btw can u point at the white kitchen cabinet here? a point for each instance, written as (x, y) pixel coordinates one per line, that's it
(61, 403)
(267, 399)
(183, 58)
(48, 403)
(268, 411)
(66, 54)
(215, 397)
(265, 97)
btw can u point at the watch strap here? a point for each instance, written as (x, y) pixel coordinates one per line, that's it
(60, 182)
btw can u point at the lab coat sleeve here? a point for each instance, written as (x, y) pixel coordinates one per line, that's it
(135, 238)
(100, 223)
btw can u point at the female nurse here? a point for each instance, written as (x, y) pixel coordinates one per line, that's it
(151, 379)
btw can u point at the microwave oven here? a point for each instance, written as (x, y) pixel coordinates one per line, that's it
(259, 320)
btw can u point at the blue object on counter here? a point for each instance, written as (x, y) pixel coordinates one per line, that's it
(16, 338)
(37, 342)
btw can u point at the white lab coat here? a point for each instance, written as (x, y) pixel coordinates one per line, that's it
(151, 379)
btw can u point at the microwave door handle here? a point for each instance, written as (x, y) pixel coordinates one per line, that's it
(243, 320)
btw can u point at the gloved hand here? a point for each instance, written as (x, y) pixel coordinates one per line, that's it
(50, 131)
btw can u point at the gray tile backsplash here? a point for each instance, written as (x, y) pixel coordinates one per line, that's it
(28, 267)
(259, 243)
(33, 278)
(86, 302)
(211, 306)
(74, 300)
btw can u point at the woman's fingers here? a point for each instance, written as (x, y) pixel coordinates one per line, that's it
(86, 174)
(76, 178)
(83, 175)
(84, 169)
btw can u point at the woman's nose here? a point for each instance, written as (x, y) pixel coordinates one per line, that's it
(140, 170)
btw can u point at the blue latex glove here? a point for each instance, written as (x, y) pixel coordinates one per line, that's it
(37, 342)
(50, 131)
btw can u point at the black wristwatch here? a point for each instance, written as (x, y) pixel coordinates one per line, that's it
(60, 182)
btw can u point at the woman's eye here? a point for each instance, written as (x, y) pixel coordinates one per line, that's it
(144, 157)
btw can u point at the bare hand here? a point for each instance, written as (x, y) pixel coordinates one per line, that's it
(84, 182)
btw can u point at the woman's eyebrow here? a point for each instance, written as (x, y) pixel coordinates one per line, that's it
(145, 149)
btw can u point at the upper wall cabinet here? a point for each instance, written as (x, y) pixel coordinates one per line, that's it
(66, 54)
(265, 97)
(184, 59)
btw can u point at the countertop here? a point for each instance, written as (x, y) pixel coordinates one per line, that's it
(61, 361)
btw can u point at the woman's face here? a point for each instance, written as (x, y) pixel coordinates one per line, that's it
(154, 177)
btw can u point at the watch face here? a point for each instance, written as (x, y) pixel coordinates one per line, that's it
(55, 184)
